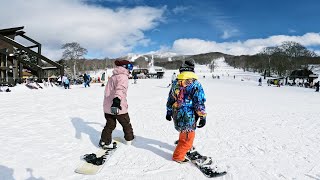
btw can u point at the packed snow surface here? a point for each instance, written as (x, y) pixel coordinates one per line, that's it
(257, 132)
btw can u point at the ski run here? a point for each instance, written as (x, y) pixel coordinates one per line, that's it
(258, 132)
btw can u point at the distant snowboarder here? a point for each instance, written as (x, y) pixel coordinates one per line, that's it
(185, 105)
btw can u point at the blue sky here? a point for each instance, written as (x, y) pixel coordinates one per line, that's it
(114, 28)
(225, 20)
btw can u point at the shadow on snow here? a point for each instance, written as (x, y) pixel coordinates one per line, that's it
(7, 174)
(155, 146)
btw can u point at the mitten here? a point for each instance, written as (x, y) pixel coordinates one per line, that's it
(169, 115)
(116, 106)
(202, 122)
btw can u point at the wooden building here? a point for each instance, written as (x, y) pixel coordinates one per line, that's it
(15, 58)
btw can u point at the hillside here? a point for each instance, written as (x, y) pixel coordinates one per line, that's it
(278, 66)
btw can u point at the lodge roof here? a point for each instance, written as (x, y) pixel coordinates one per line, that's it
(10, 31)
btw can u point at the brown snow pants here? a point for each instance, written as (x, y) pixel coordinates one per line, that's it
(124, 120)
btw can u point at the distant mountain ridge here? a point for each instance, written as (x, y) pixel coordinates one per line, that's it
(172, 60)
(168, 60)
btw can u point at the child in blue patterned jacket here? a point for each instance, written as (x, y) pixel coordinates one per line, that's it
(185, 106)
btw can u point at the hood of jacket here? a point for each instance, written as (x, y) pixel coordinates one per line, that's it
(120, 70)
(187, 75)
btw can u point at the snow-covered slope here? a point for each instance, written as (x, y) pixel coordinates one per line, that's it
(258, 132)
(225, 71)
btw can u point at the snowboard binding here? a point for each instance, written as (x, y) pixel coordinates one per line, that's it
(206, 165)
(93, 159)
(89, 157)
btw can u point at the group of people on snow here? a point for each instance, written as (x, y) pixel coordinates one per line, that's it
(65, 81)
(185, 106)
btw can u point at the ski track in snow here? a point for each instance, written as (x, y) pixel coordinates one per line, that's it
(257, 132)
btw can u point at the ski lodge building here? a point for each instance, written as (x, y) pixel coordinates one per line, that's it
(16, 58)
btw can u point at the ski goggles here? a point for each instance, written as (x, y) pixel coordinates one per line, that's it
(129, 67)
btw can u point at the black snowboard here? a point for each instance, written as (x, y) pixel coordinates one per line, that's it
(203, 163)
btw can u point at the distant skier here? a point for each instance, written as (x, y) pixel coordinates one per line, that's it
(63, 79)
(317, 86)
(66, 83)
(59, 81)
(260, 81)
(135, 78)
(86, 79)
(115, 104)
(185, 105)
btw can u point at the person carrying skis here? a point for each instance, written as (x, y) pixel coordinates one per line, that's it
(173, 78)
(115, 104)
(185, 105)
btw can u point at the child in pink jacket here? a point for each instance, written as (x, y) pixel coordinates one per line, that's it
(115, 104)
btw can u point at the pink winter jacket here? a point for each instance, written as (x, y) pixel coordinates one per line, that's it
(117, 86)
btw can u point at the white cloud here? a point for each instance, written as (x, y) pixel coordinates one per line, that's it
(292, 31)
(227, 33)
(248, 47)
(227, 28)
(180, 9)
(104, 30)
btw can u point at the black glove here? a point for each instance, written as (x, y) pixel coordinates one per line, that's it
(116, 106)
(169, 115)
(202, 122)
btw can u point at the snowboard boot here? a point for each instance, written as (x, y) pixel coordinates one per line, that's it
(105, 146)
(129, 143)
(192, 154)
(183, 161)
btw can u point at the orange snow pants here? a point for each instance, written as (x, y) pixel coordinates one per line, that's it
(184, 145)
